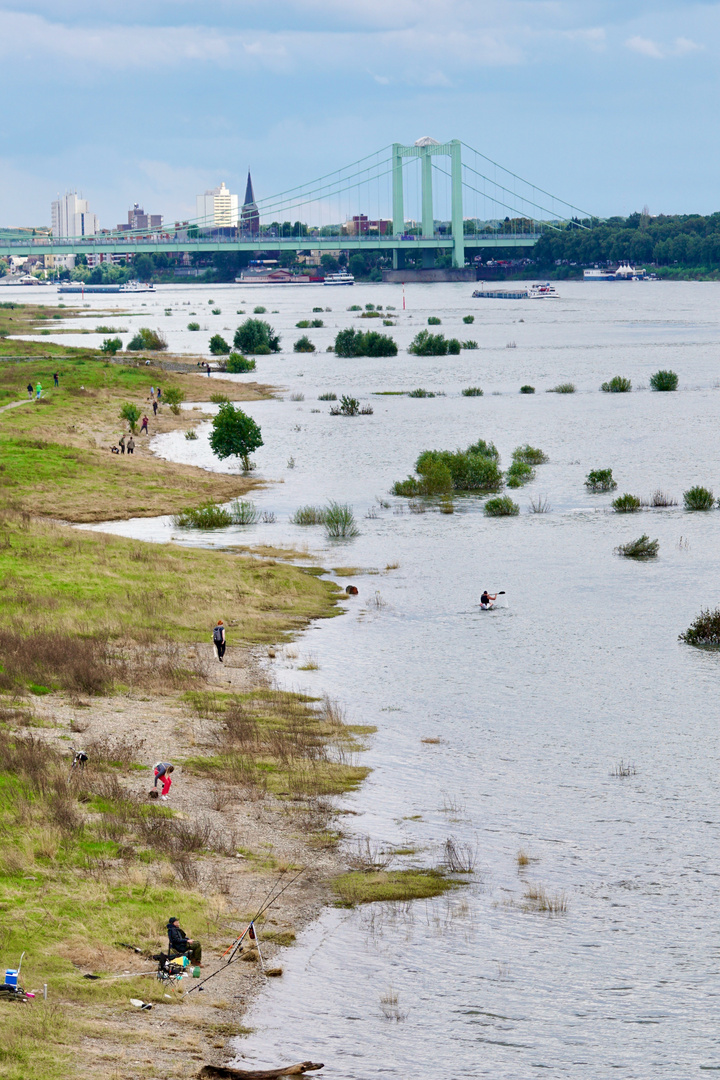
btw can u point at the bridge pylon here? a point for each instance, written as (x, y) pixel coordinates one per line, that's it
(425, 149)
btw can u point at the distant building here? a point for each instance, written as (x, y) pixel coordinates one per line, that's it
(138, 220)
(250, 216)
(71, 216)
(360, 225)
(217, 208)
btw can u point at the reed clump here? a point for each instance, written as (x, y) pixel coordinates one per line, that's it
(309, 515)
(704, 631)
(563, 388)
(537, 898)
(472, 391)
(340, 521)
(207, 516)
(503, 506)
(244, 512)
(600, 480)
(420, 393)
(617, 385)
(531, 455)
(659, 498)
(626, 504)
(698, 498)
(642, 548)
(327, 396)
(664, 381)
(476, 469)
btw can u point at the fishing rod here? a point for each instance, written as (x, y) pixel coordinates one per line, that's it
(249, 930)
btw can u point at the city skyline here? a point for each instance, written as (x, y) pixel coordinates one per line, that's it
(602, 106)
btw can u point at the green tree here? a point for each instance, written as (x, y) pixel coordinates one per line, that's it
(218, 345)
(111, 345)
(256, 336)
(143, 267)
(234, 434)
(131, 414)
(174, 397)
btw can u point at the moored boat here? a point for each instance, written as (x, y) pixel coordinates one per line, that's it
(341, 278)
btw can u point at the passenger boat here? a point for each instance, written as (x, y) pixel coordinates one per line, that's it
(341, 278)
(624, 272)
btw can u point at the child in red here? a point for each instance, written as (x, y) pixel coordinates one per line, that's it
(162, 773)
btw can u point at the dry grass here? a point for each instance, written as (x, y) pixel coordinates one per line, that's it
(537, 898)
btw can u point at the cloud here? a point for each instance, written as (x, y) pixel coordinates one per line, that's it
(594, 37)
(647, 47)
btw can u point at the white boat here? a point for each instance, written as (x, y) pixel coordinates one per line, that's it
(543, 291)
(624, 272)
(341, 278)
(135, 286)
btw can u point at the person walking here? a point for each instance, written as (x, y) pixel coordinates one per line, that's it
(143, 426)
(162, 773)
(56, 378)
(219, 640)
(30, 390)
(159, 394)
(121, 444)
(38, 391)
(154, 407)
(152, 393)
(130, 445)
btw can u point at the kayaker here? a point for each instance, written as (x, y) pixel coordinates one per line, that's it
(487, 599)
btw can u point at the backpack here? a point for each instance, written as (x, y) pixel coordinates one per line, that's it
(218, 635)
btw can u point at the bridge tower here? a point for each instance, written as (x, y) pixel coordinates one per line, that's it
(425, 149)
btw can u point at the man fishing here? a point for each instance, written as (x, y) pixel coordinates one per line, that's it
(487, 600)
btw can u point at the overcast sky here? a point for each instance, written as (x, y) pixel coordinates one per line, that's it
(609, 104)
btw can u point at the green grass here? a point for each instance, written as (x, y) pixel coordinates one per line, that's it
(642, 548)
(664, 380)
(207, 516)
(626, 504)
(698, 498)
(503, 506)
(472, 391)
(563, 388)
(617, 385)
(357, 887)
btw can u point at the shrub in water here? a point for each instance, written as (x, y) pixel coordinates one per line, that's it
(111, 345)
(698, 498)
(469, 344)
(705, 630)
(600, 480)
(316, 324)
(426, 344)
(371, 315)
(484, 449)
(244, 512)
(145, 338)
(519, 473)
(472, 391)
(527, 389)
(216, 311)
(617, 385)
(340, 521)
(218, 345)
(329, 396)
(531, 455)
(349, 343)
(237, 364)
(354, 307)
(304, 324)
(503, 506)
(303, 344)
(437, 478)
(207, 516)
(642, 548)
(317, 309)
(259, 310)
(309, 515)
(420, 393)
(468, 319)
(193, 326)
(659, 498)
(454, 346)
(349, 406)
(433, 320)
(664, 380)
(256, 336)
(471, 470)
(626, 504)
(563, 388)
(191, 435)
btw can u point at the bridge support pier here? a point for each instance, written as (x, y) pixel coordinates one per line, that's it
(425, 149)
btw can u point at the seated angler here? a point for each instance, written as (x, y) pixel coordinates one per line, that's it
(181, 945)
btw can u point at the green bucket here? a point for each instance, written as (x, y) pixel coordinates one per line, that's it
(196, 973)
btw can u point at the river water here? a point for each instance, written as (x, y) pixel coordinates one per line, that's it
(534, 704)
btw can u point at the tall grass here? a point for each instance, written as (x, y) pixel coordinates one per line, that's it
(626, 504)
(617, 385)
(309, 515)
(340, 521)
(642, 548)
(563, 388)
(244, 512)
(472, 391)
(531, 455)
(207, 516)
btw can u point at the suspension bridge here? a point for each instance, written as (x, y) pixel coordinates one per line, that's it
(418, 199)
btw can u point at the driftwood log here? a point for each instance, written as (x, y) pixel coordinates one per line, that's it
(222, 1072)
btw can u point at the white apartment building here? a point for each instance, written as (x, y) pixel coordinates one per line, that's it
(217, 208)
(71, 216)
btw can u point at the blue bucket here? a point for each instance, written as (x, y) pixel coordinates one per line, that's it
(11, 977)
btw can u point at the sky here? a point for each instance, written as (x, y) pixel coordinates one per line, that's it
(609, 105)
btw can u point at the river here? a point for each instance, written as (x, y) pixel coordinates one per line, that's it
(534, 704)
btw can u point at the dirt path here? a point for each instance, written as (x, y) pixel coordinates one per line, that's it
(266, 835)
(14, 404)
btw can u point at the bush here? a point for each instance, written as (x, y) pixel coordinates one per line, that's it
(600, 480)
(426, 344)
(704, 631)
(472, 391)
(371, 315)
(174, 397)
(216, 311)
(315, 324)
(340, 521)
(191, 434)
(145, 338)
(256, 336)
(420, 393)
(484, 449)
(664, 380)
(520, 473)
(304, 344)
(642, 548)
(218, 345)
(527, 389)
(698, 498)
(454, 346)
(617, 385)
(309, 515)
(234, 434)
(259, 310)
(317, 309)
(354, 307)
(193, 326)
(304, 324)
(349, 406)
(131, 414)
(475, 469)
(503, 506)
(433, 320)
(531, 455)
(626, 504)
(237, 364)
(468, 319)
(111, 345)
(563, 388)
(350, 343)
(328, 396)
(207, 516)
(244, 512)
(469, 344)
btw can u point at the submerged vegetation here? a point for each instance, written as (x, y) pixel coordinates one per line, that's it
(472, 391)
(503, 506)
(600, 480)
(350, 343)
(236, 364)
(704, 631)
(476, 469)
(617, 385)
(664, 380)
(256, 336)
(426, 344)
(339, 521)
(698, 498)
(642, 548)
(626, 504)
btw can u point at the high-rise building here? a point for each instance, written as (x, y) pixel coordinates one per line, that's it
(250, 216)
(217, 208)
(71, 216)
(138, 219)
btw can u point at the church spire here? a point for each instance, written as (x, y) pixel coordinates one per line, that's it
(249, 196)
(249, 216)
